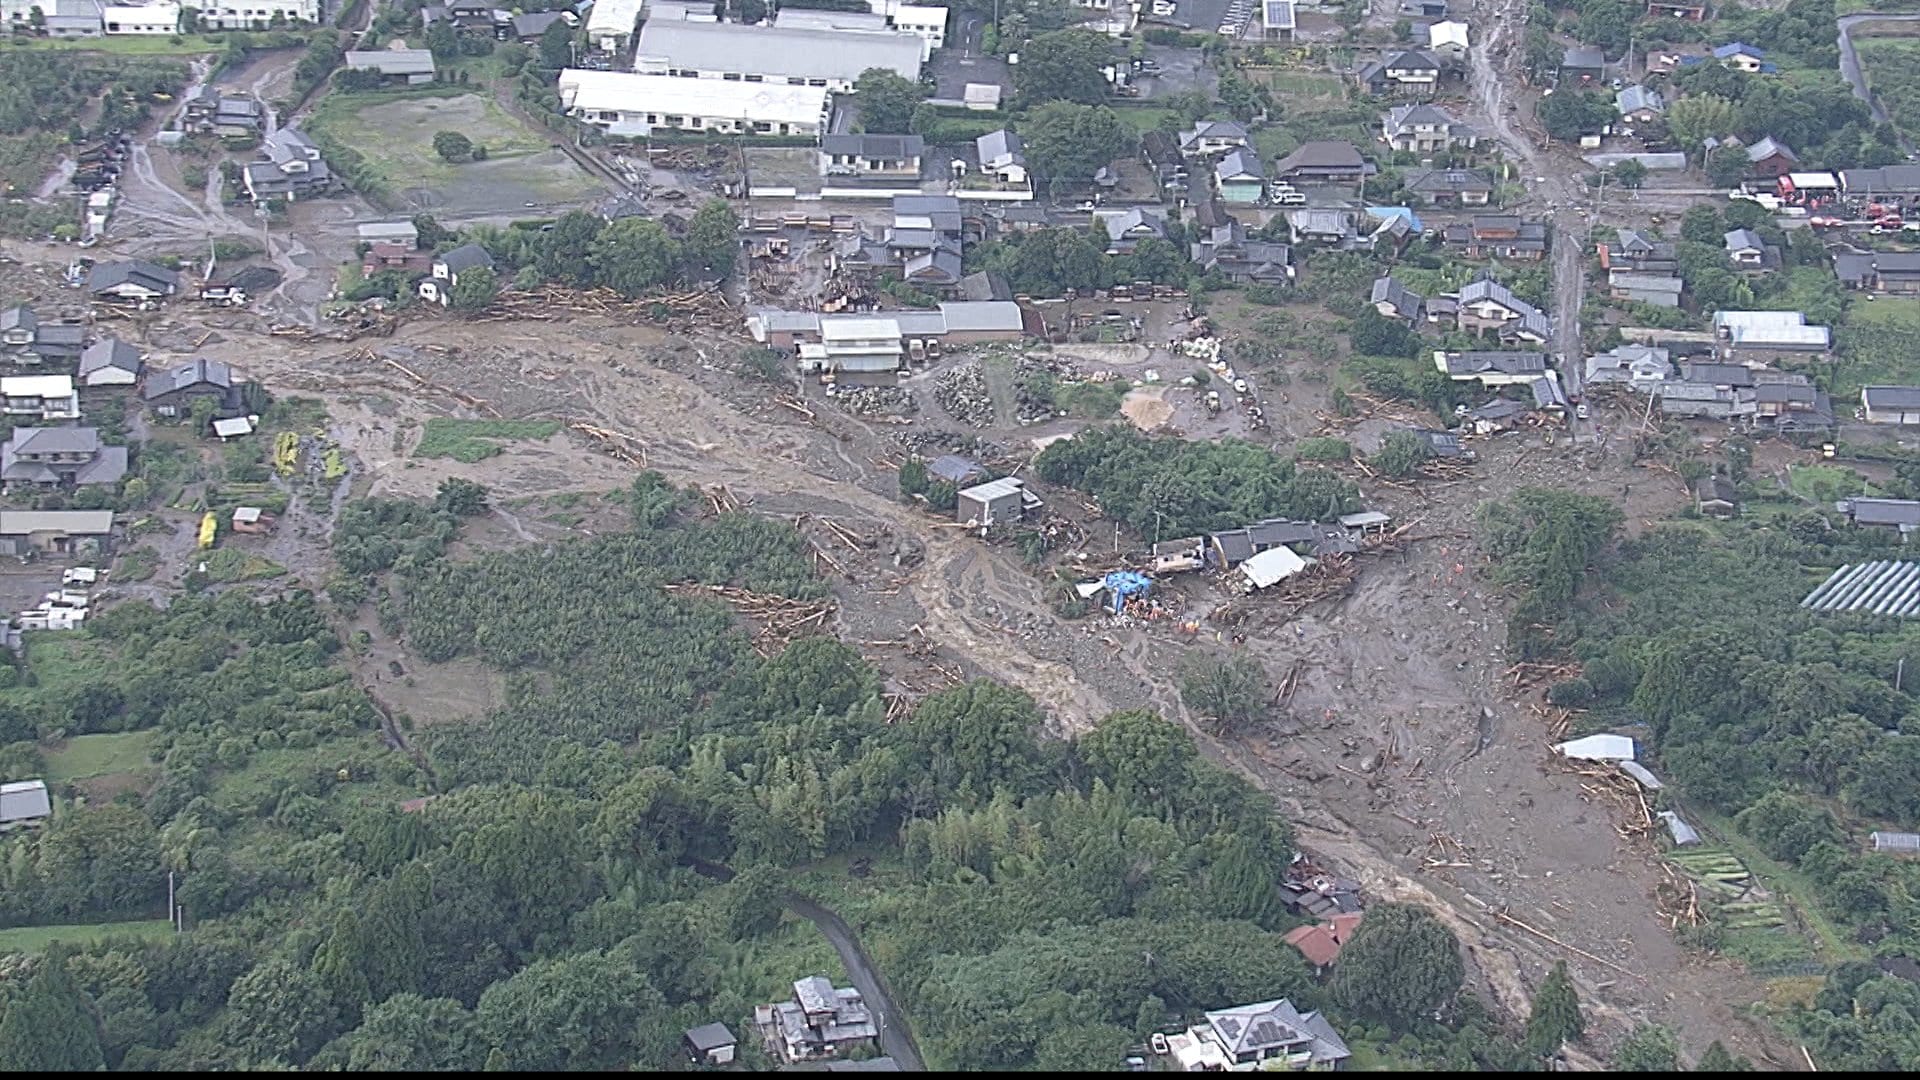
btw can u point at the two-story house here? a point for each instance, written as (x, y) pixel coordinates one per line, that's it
(1425, 129)
(1450, 187)
(1633, 250)
(1003, 156)
(1640, 104)
(1748, 252)
(1485, 304)
(131, 281)
(1582, 64)
(1499, 236)
(1126, 228)
(47, 398)
(1414, 72)
(1239, 178)
(889, 157)
(1209, 137)
(173, 391)
(1771, 158)
(26, 341)
(1225, 248)
(1324, 162)
(447, 268)
(291, 168)
(52, 456)
(1896, 272)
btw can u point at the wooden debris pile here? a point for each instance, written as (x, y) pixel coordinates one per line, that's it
(1531, 673)
(546, 303)
(1606, 782)
(780, 619)
(628, 448)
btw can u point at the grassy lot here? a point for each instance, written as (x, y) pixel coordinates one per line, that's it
(1297, 84)
(98, 755)
(1092, 400)
(1791, 887)
(1879, 344)
(1143, 120)
(1892, 68)
(474, 440)
(32, 939)
(232, 564)
(60, 662)
(122, 44)
(394, 131)
(1825, 483)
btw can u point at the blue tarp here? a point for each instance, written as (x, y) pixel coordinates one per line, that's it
(1124, 583)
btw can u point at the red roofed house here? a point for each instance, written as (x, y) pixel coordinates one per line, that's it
(1321, 944)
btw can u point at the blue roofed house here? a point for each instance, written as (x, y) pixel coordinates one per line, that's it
(1240, 177)
(1741, 56)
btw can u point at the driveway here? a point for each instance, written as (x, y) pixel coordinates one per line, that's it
(1856, 78)
(896, 1039)
(963, 61)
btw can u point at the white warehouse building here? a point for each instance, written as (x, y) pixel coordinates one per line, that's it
(634, 105)
(730, 52)
(140, 18)
(258, 14)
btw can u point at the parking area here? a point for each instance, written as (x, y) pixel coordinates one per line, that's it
(963, 61)
(1176, 71)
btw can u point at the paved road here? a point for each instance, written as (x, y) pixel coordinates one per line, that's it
(896, 1038)
(1850, 65)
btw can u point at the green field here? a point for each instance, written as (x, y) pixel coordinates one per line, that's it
(61, 662)
(99, 755)
(32, 939)
(475, 440)
(1143, 120)
(1892, 69)
(1879, 344)
(232, 564)
(123, 44)
(1302, 83)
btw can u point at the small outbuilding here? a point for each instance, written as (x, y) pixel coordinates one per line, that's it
(1715, 496)
(995, 502)
(24, 803)
(711, 1044)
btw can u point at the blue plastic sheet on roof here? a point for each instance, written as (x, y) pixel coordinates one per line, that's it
(1124, 583)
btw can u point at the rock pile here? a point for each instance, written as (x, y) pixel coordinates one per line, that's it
(962, 392)
(876, 400)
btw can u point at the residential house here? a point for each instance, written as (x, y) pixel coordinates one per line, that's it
(1330, 227)
(1715, 496)
(1002, 156)
(1324, 162)
(26, 533)
(1209, 137)
(1232, 547)
(396, 232)
(734, 52)
(1239, 178)
(1772, 158)
(1485, 304)
(1741, 56)
(1894, 272)
(1425, 129)
(1632, 250)
(1396, 301)
(983, 285)
(1690, 10)
(447, 268)
(1771, 337)
(408, 67)
(1638, 367)
(1126, 228)
(1448, 41)
(131, 280)
(1492, 369)
(1896, 186)
(1161, 152)
(1450, 187)
(1582, 64)
(292, 168)
(26, 341)
(1499, 236)
(873, 343)
(1271, 1035)
(385, 255)
(52, 456)
(1225, 248)
(1792, 404)
(1900, 515)
(172, 392)
(891, 157)
(109, 362)
(1320, 943)
(47, 398)
(1749, 252)
(610, 23)
(634, 105)
(1659, 290)
(24, 804)
(225, 115)
(1640, 104)
(996, 502)
(532, 26)
(1890, 404)
(1413, 72)
(710, 1044)
(820, 1021)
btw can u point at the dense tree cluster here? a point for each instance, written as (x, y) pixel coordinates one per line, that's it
(1543, 540)
(630, 255)
(1180, 488)
(1047, 262)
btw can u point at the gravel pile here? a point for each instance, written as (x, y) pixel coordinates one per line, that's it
(962, 392)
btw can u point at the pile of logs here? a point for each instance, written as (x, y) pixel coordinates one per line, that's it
(628, 448)
(546, 303)
(780, 618)
(1530, 673)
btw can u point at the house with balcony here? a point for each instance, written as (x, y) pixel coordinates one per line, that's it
(1425, 129)
(1485, 304)
(1414, 73)
(57, 456)
(291, 168)
(1266, 1037)
(1239, 178)
(1499, 236)
(27, 341)
(819, 1022)
(447, 268)
(46, 398)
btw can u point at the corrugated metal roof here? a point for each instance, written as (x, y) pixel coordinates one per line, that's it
(1272, 565)
(1883, 587)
